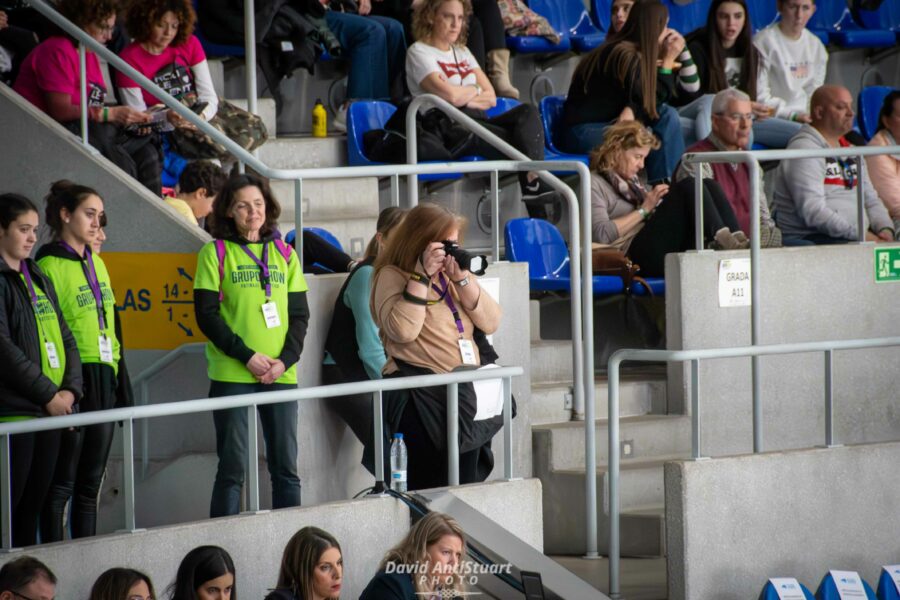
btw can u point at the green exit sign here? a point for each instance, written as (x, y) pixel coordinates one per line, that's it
(887, 264)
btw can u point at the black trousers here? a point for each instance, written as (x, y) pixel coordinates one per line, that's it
(19, 42)
(139, 156)
(32, 463)
(520, 127)
(82, 461)
(486, 31)
(671, 228)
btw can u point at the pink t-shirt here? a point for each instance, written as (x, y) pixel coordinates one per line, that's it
(170, 70)
(53, 67)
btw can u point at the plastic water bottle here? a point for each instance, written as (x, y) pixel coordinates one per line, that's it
(319, 120)
(398, 463)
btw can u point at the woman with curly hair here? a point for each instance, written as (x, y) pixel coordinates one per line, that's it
(427, 563)
(49, 78)
(648, 224)
(166, 51)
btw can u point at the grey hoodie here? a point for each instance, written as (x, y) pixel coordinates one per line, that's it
(818, 195)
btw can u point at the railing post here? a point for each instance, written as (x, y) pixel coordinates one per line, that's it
(252, 461)
(695, 409)
(507, 429)
(829, 399)
(82, 67)
(5, 495)
(495, 215)
(860, 200)
(250, 54)
(298, 219)
(613, 470)
(378, 432)
(395, 190)
(452, 434)
(145, 431)
(698, 206)
(755, 322)
(128, 473)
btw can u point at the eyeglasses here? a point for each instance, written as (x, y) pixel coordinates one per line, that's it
(750, 117)
(23, 596)
(105, 27)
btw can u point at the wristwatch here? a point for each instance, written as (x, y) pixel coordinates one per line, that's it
(462, 282)
(478, 90)
(643, 212)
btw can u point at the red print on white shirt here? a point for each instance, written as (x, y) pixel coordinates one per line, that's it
(454, 69)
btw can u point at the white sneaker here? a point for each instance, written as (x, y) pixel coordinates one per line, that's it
(340, 119)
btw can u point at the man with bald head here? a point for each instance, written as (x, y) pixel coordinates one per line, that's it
(815, 198)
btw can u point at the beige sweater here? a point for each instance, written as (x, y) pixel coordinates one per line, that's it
(425, 336)
(884, 171)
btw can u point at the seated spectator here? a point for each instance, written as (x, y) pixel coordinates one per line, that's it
(311, 567)
(439, 63)
(732, 113)
(815, 198)
(353, 348)
(417, 290)
(205, 573)
(884, 169)
(626, 216)
(198, 185)
(726, 58)
(27, 577)
(15, 44)
(793, 62)
(425, 564)
(49, 78)
(620, 81)
(619, 11)
(320, 256)
(120, 583)
(42, 377)
(166, 51)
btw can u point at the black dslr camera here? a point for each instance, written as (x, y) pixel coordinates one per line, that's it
(473, 263)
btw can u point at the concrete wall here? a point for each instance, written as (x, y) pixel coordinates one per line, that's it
(365, 528)
(807, 294)
(731, 523)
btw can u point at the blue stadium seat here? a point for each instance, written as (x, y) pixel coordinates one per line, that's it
(570, 19)
(762, 13)
(322, 233)
(868, 108)
(828, 590)
(886, 17)
(834, 21)
(770, 593)
(887, 589)
(602, 16)
(551, 108)
(685, 18)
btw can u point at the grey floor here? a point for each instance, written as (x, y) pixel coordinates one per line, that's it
(640, 578)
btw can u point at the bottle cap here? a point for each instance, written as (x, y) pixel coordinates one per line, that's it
(318, 101)
(398, 436)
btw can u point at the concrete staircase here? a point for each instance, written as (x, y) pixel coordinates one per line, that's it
(650, 437)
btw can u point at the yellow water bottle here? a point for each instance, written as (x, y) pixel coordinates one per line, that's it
(319, 120)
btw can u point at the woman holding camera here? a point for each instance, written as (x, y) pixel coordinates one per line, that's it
(427, 308)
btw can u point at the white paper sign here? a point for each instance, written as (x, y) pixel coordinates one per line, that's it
(894, 572)
(849, 585)
(787, 588)
(491, 285)
(734, 282)
(489, 395)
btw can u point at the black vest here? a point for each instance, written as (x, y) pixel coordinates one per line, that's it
(341, 341)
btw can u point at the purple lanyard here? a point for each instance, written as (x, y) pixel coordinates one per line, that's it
(450, 303)
(90, 273)
(263, 267)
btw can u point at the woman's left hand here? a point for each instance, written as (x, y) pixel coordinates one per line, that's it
(453, 270)
(275, 371)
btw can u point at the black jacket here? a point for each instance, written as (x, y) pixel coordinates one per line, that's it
(24, 389)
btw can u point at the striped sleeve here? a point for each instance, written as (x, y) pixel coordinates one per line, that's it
(688, 77)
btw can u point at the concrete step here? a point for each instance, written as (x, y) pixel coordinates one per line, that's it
(641, 481)
(641, 578)
(551, 361)
(330, 199)
(551, 401)
(562, 444)
(265, 108)
(305, 152)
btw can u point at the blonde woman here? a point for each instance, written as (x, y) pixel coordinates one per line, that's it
(426, 564)
(648, 224)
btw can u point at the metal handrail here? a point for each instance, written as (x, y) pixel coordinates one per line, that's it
(694, 356)
(751, 158)
(251, 402)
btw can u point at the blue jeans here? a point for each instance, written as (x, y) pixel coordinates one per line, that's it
(279, 425)
(660, 164)
(775, 132)
(376, 49)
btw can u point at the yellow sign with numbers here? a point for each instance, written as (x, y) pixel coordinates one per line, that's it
(154, 298)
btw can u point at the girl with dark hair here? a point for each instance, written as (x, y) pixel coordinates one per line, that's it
(250, 302)
(41, 372)
(75, 215)
(726, 58)
(621, 81)
(120, 583)
(205, 573)
(49, 79)
(884, 169)
(311, 567)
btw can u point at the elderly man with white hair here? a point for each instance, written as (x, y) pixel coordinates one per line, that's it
(732, 121)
